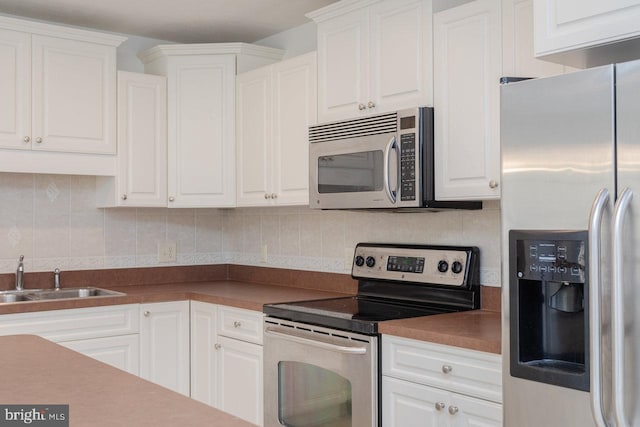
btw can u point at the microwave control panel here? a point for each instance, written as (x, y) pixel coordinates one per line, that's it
(408, 166)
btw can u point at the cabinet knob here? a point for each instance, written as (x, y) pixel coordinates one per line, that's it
(446, 369)
(171, 199)
(124, 197)
(274, 196)
(453, 410)
(26, 139)
(493, 184)
(371, 104)
(39, 140)
(146, 313)
(440, 406)
(237, 324)
(267, 196)
(361, 107)
(217, 346)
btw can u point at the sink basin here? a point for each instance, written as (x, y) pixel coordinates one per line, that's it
(64, 293)
(52, 294)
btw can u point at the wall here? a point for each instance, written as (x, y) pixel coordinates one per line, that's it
(53, 221)
(296, 41)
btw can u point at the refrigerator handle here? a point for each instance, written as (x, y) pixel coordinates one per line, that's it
(595, 238)
(617, 308)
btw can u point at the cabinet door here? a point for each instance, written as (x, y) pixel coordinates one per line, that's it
(562, 25)
(201, 126)
(142, 139)
(120, 351)
(343, 66)
(240, 379)
(15, 87)
(517, 43)
(294, 110)
(467, 53)
(406, 404)
(467, 411)
(401, 55)
(204, 376)
(74, 96)
(253, 137)
(164, 344)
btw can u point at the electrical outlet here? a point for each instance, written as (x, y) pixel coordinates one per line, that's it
(167, 251)
(263, 254)
(348, 258)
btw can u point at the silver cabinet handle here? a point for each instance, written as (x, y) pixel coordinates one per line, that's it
(237, 324)
(617, 307)
(274, 196)
(172, 199)
(493, 184)
(146, 313)
(124, 197)
(600, 203)
(26, 139)
(371, 104)
(391, 194)
(217, 346)
(267, 196)
(440, 406)
(361, 107)
(39, 140)
(446, 369)
(453, 410)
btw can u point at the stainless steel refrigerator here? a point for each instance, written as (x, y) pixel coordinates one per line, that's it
(570, 168)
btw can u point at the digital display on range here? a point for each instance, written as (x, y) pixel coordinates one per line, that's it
(405, 264)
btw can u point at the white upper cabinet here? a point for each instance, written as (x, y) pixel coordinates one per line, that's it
(576, 25)
(142, 144)
(58, 88)
(276, 106)
(373, 56)
(201, 117)
(468, 67)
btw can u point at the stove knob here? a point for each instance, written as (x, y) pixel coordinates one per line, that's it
(359, 261)
(443, 266)
(371, 261)
(456, 267)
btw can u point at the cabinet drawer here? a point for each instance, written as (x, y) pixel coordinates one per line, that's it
(469, 372)
(121, 351)
(74, 324)
(242, 324)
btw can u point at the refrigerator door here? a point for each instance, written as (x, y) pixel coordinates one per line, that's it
(557, 154)
(628, 158)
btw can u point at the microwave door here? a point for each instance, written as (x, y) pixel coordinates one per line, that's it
(354, 173)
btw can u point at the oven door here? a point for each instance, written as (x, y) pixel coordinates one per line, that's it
(354, 173)
(313, 378)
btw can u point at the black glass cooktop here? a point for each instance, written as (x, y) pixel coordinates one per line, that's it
(356, 314)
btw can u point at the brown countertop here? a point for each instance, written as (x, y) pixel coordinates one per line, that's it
(37, 371)
(475, 329)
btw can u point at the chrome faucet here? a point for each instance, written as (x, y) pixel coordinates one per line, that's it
(20, 274)
(56, 279)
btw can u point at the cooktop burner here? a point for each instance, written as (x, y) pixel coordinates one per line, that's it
(395, 282)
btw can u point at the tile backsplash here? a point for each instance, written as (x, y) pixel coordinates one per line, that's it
(53, 221)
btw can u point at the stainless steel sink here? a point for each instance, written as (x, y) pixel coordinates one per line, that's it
(52, 294)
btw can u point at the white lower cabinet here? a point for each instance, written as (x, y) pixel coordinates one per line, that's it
(164, 344)
(226, 359)
(428, 385)
(122, 351)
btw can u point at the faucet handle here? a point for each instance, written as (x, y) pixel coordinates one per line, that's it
(21, 258)
(56, 278)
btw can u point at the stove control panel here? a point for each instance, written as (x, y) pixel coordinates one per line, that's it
(440, 265)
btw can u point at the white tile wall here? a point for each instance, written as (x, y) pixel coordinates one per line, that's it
(53, 221)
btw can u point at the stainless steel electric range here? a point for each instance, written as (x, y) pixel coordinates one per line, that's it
(321, 357)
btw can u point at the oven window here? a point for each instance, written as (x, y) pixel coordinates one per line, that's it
(311, 396)
(351, 173)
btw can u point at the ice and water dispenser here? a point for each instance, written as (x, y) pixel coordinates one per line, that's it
(548, 302)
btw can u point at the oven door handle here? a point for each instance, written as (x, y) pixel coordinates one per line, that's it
(391, 194)
(319, 344)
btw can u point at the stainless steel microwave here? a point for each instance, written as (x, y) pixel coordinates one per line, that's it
(381, 161)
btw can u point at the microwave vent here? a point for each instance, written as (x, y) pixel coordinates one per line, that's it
(365, 126)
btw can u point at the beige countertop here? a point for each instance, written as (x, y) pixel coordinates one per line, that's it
(36, 371)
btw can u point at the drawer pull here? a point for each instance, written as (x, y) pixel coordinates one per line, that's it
(147, 313)
(453, 410)
(440, 406)
(237, 324)
(217, 346)
(446, 369)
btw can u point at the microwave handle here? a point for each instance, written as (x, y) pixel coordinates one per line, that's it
(392, 145)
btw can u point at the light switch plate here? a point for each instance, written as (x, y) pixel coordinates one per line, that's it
(167, 251)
